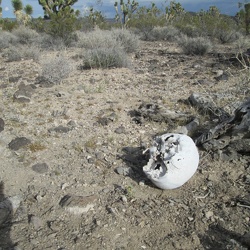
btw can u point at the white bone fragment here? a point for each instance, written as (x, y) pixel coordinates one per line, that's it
(174, 159)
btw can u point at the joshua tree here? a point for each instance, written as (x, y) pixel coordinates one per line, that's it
(55, 6)
(126, 11)
(174, 9)
(22, 18)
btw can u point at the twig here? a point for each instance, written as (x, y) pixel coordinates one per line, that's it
(245, 206)
(202, 197)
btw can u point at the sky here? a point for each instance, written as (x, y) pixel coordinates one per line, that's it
(229, 7)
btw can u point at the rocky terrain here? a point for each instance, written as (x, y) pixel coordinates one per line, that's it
(71, 154)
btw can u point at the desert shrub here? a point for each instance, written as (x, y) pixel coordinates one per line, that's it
(168, 33)
(194, 46)
(108, 39)
(56, 69)
(105, 58)
(96, 39)
(7, 39)
(205, 24)
(145, 19)
(128, 40)
(48, 42)
(25, 35)
(227, 36)
(17, 53)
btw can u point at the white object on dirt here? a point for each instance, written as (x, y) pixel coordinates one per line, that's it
(174, 159)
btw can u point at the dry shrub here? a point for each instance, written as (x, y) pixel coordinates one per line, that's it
(56, 69)
(17, 53)
(105, 49)
(194, 46)
(25, 35)
(7, 39)
(105, 58)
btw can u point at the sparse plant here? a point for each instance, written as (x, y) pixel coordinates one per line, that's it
(7, 39)
(25, 35)
(194, 46)
(167, 33)
(145, 19)
(127, 40)
(227, 36)
(56, 69)
(105, 58)
(17, 53)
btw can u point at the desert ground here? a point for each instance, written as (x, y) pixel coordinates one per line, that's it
(71, 155)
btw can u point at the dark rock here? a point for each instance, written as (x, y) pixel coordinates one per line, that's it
(40, 168)
(60, 129)
(43, 82)
(14, 78)
(18, 143)
(223, 77)
(204, 82)
(1, 124)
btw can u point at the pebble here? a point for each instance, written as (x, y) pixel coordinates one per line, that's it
(36, 222)
(40, 168)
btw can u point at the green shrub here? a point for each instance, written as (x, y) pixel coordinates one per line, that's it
(63, 25)
(194, 46)
(8, 24)
(56, 69)
(105, 58)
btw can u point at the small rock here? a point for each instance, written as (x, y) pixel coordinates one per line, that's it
(120, 130)
(209, 214)
(223, 77)
(18, 143)
(1, 124)
(78, 204)
(123, 170)
(14, 78)
(40, 168)
(60, 129)
(36, 222)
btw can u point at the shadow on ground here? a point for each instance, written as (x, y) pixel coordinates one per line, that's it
(134, 159)
(6, 213)
(218, 237)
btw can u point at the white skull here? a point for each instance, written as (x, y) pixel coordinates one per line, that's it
(174, 159)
